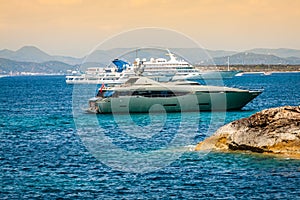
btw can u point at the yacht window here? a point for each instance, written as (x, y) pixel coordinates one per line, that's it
(153, 94)
(131, 81)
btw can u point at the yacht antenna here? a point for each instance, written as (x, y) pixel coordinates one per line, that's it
(171, 55)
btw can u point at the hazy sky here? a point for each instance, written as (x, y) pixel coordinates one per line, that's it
(74, 27)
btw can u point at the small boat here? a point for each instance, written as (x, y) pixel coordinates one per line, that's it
(254, 74)
(142, 95)
(2, 76)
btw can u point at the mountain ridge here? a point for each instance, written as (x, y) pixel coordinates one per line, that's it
(8, 66)
(34, 54)
(280, 52)
(248, 58)
(29, 58)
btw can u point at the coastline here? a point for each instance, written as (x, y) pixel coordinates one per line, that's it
(245, 69)
(253, 68)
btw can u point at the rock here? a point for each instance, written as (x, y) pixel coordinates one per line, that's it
(274, 130)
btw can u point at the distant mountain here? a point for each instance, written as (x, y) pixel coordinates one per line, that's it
(198, 56)
(30, 54)
(293, 60)
(6, 53)
(32, 59)
(248, 58)
(50, 67)
(281, 52)
(33, 54)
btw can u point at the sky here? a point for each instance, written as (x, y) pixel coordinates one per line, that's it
(75, 27)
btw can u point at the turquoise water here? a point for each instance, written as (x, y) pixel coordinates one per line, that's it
(49, 148)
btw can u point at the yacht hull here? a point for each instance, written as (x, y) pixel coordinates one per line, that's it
(196, 101)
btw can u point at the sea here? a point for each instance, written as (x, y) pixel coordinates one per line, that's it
(50, 148)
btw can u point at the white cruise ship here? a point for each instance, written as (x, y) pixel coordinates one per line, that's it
(159, 69)
(174, 68)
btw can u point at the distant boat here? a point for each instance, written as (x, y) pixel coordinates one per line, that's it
(141, 95)
(254, 73)
(2, 76)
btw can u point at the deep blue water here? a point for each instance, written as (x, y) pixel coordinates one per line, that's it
(49, 148)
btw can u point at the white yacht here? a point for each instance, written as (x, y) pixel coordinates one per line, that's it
(141, 94)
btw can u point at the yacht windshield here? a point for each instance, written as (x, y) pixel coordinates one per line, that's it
(105, 93)
(108, 93)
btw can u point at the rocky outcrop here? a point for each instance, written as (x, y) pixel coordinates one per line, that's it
(274, 130)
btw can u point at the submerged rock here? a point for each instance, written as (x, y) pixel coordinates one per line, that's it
(274, 130)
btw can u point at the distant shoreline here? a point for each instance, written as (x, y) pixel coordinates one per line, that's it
(266, 69)
(253, 68)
